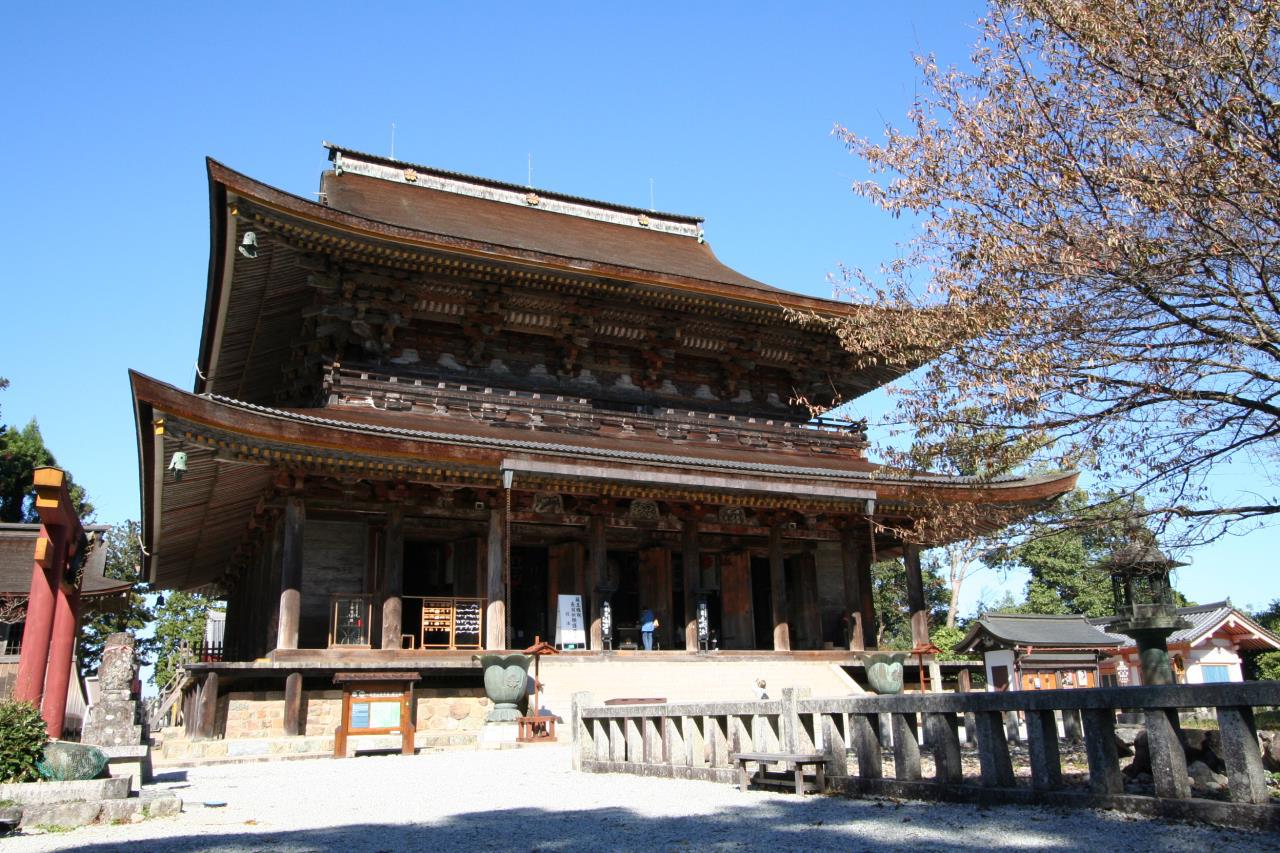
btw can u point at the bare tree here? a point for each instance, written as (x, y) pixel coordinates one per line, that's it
(1098, 239)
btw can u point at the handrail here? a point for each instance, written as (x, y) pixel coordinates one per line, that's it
(697, 739)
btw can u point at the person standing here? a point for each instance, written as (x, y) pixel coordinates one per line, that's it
(648, 622)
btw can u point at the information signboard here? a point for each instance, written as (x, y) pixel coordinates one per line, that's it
(704, 624)
(606, 623)
(571, 633)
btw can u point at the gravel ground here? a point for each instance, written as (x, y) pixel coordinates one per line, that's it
(529, 799)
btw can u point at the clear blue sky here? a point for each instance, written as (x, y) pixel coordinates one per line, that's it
(109, 114)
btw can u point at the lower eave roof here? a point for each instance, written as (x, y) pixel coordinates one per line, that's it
(214, 514)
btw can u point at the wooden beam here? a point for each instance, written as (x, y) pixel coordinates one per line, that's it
(496, 611)
(393, 578)
(915, 595)
(691, 569)
(849, 557)
(778, 592)
(295, 520)
(598, 554)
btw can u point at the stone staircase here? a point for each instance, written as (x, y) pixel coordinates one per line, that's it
(679, 677)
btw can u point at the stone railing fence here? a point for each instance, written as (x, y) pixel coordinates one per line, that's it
(695, 741)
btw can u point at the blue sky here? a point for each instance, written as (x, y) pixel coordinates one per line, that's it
(110, 111)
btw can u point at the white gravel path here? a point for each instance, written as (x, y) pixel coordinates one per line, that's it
(529, 799)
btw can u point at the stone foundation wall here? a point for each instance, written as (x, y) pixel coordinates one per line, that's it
(437, 710)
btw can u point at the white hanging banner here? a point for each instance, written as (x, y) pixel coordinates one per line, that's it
(570, 631)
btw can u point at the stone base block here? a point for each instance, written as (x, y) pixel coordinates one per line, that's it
(498, 735)
(44, 793)
(60, 815)
(133, 762)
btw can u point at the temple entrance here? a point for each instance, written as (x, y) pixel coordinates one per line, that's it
(528, 597)
(737, 625)
(624, 575)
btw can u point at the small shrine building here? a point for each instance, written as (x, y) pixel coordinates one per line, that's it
(428, 405)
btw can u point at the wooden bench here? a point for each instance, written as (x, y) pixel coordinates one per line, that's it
(795, 762)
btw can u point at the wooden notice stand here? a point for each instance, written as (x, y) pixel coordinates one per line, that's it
(375, 703)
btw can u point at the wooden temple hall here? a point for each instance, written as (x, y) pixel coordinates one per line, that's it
(428, 404)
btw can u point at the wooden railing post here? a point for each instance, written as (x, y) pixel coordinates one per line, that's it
(834, 745)
(867, 745)
(944, 738)
(584, 747)
(1168, 761)
(1246, 779)
(906, 747)
(1100, 749)
(993, 750)
(1042, 743)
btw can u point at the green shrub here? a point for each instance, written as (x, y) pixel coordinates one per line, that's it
(22, 740)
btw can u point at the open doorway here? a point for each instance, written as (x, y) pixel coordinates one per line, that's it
(762, 602)
(528, 597)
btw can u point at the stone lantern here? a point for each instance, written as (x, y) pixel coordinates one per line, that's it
(1144, 603)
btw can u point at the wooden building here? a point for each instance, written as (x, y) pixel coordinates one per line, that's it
(1207, 651)
(1033, 651)
(428, 404)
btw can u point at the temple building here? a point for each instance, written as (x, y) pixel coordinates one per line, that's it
(429, 405)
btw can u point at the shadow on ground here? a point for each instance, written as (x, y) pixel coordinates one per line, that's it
(800, 825)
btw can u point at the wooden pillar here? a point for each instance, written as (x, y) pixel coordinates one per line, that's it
(915, 595)
(598, 554)
(691, 561)
(778, 592)
(392, 578)
(62, 646)
(266, 633)
(867, 599)
(51, 556)
(849, 556)
(294, 723)
(295, 520)
(496, 612)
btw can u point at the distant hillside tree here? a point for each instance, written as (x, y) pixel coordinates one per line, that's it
(130, 614)
(179, 621)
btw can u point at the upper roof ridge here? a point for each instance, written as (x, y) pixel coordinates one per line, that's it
(402, 172)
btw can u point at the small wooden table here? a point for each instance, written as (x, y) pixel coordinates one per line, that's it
(795, 763)
(536, 728)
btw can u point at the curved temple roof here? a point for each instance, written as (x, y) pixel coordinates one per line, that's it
(369, 207)
(231, 467)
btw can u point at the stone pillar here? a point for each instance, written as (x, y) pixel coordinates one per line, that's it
(51, 556)
(115, 715)
(598, 554)
(393, 579)
(295, 520)
(691, 561)
(62, 646)
(294, 722)
(496, 611)
(207, 708)
(778, 592)
(915, 595)
(852, 591)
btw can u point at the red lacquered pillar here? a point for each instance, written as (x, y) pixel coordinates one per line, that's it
(62, 646)
(38, 630)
